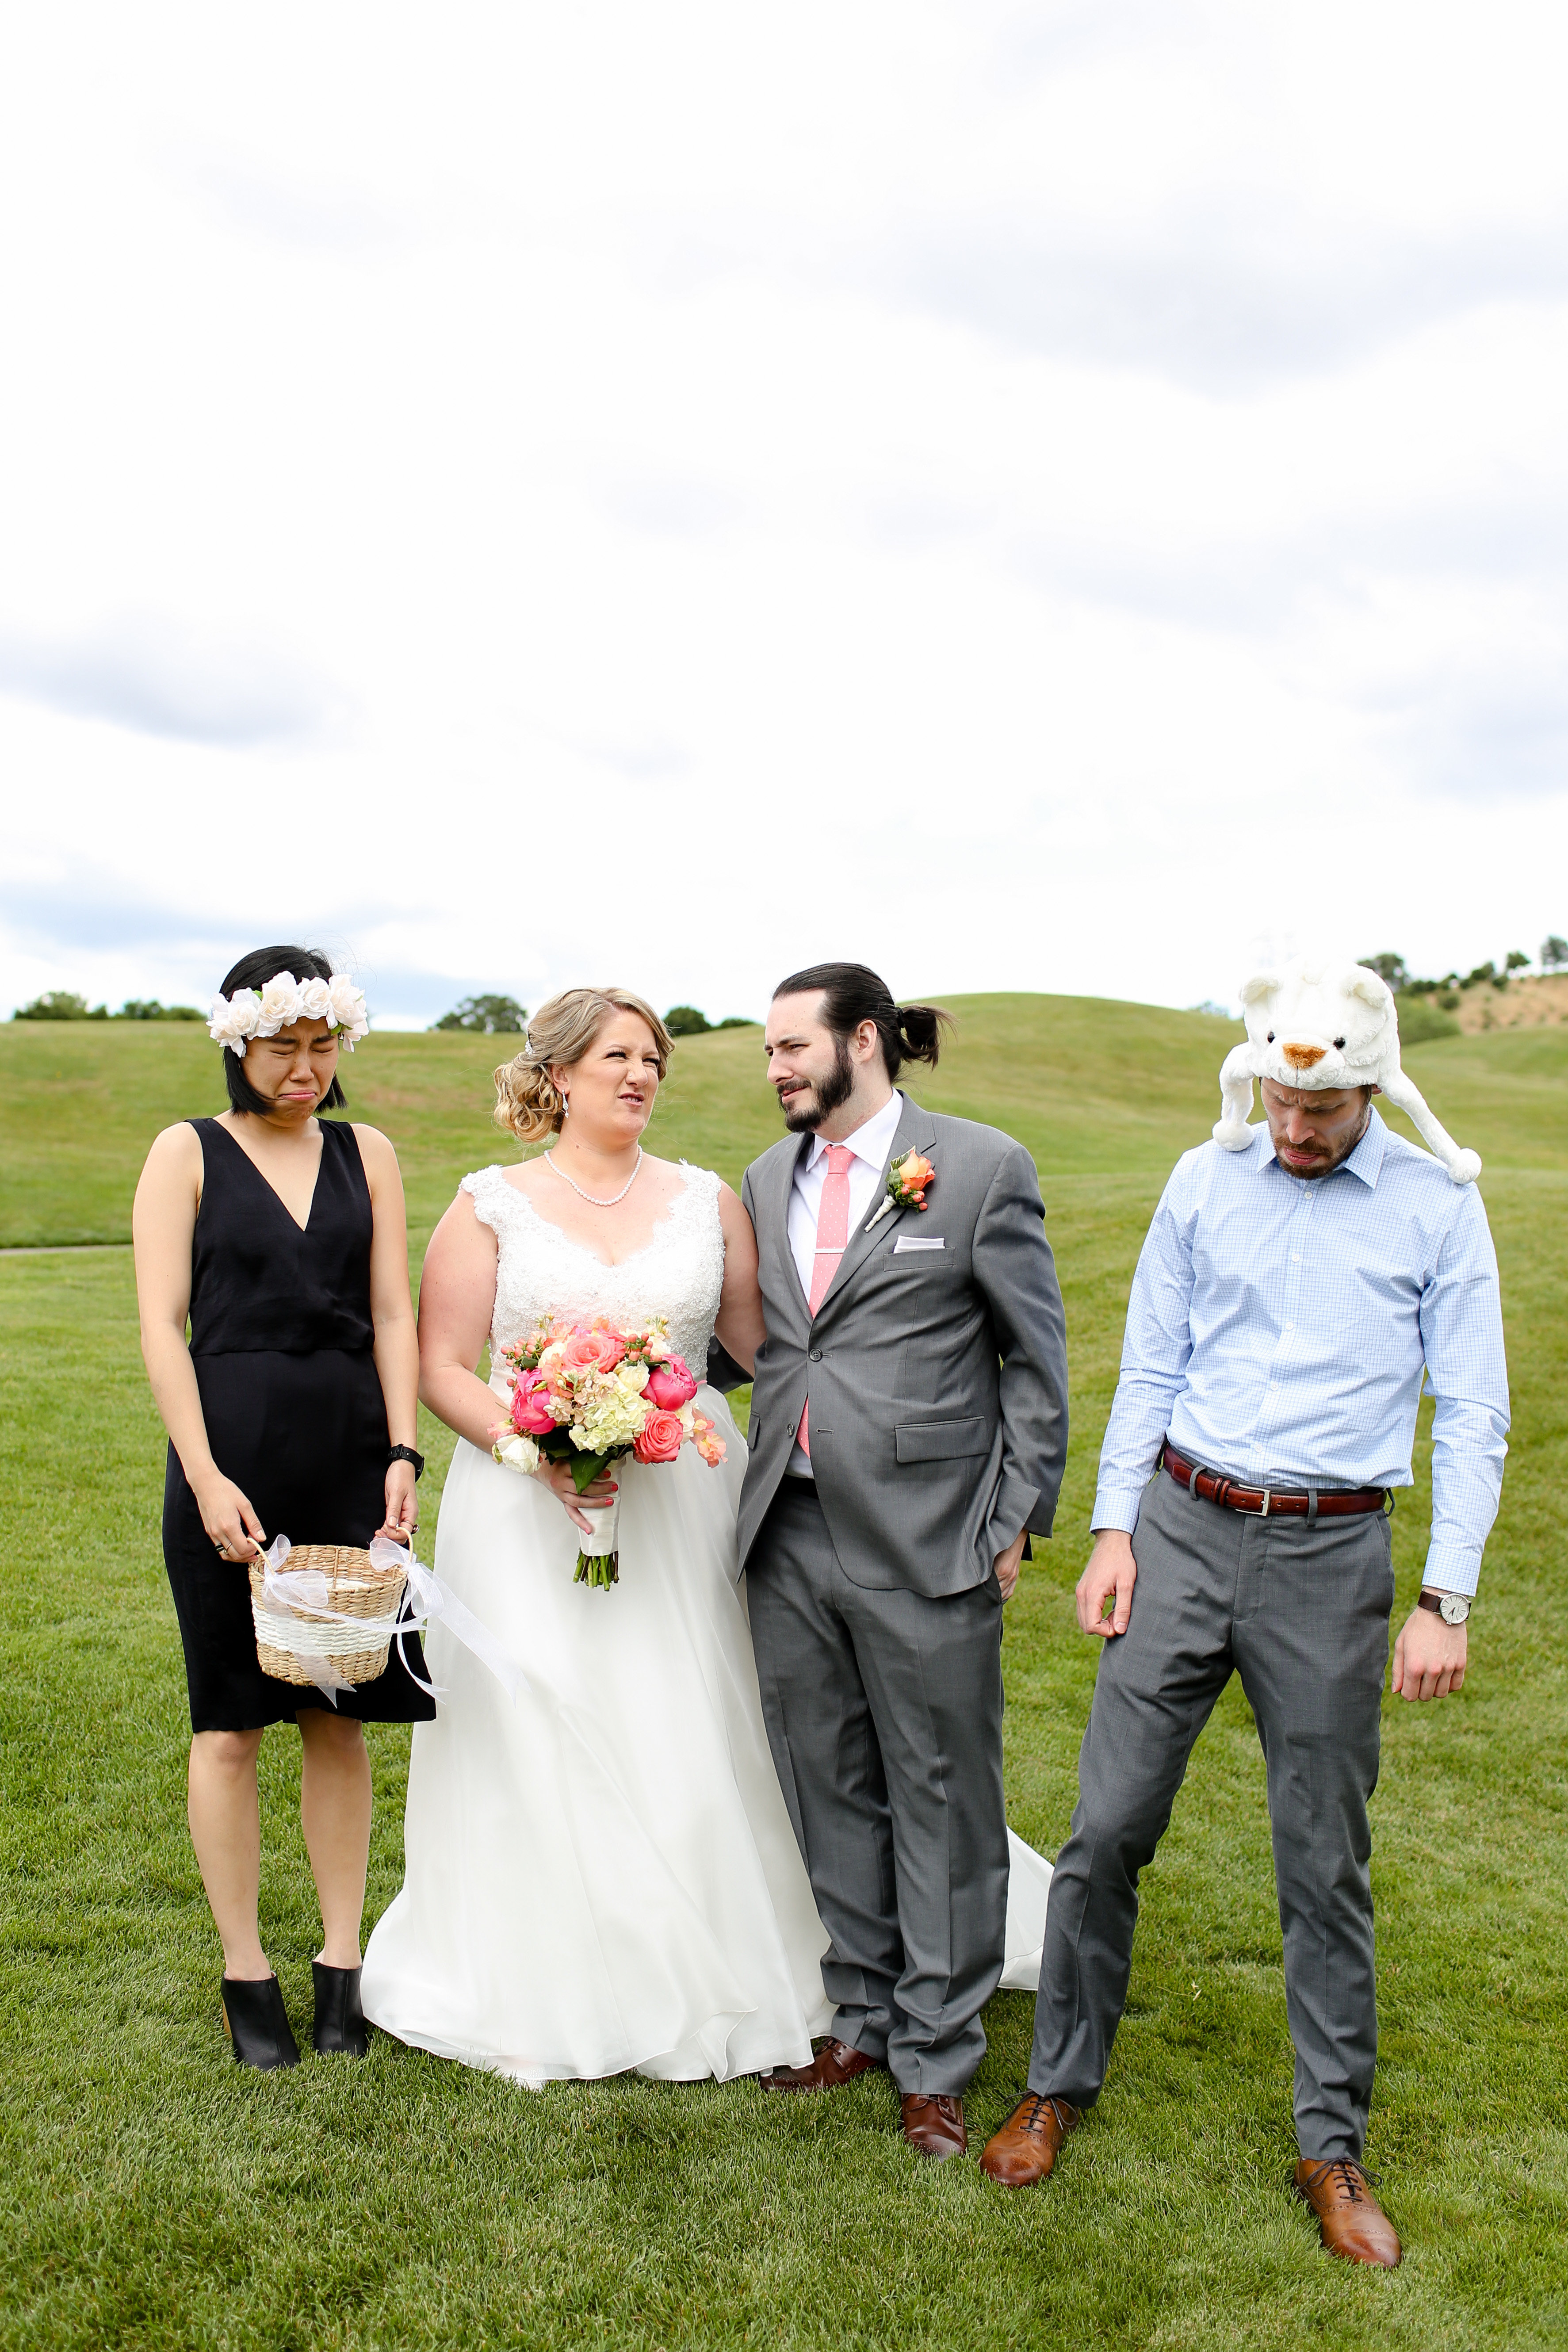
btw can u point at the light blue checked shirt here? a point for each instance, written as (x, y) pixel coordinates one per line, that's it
(1279, 1325)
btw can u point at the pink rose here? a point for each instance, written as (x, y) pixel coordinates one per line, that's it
(531, 1413)
(670, 1385)
(661, 1438)
(592, 1351)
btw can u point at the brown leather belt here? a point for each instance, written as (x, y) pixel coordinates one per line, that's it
(1267, 1503)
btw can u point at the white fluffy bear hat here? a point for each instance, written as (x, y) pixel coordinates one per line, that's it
(1325, 1024)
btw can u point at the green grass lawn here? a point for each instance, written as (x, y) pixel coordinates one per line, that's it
(155, 2195)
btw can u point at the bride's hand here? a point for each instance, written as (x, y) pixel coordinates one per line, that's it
(557, 1476)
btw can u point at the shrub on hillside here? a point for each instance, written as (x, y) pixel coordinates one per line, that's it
(490, 1016)
(1421, 1023)
(685, 1021)
(1553, 954)
(57, 1004)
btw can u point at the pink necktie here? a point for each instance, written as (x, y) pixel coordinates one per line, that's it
(832, 1236)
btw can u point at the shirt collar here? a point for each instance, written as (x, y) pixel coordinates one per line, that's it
(1366, 1161)
(873, 1141)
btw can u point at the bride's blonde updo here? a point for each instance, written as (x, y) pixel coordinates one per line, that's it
(527, 1103)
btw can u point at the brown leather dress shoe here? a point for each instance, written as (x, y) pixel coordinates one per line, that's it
(1026, 2148)
(934, 2124)
(834, 2065)
(1351, 2222)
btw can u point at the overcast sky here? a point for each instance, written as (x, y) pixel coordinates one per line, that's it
(1061, 497)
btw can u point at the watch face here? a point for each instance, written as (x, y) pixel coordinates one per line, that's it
(1453, 1612)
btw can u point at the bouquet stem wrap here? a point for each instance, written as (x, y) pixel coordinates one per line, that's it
(598, 1555)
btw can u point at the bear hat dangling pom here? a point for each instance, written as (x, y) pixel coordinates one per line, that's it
(1325, 1024)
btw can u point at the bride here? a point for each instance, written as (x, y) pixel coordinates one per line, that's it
(603, 1877)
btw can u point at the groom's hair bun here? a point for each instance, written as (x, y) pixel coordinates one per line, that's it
(528, 1103)
(853, 992)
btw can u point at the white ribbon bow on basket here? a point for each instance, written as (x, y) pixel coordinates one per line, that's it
(425, 1599)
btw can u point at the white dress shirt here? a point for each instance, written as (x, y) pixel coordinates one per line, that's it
(1279, 1327)
(872, 1145)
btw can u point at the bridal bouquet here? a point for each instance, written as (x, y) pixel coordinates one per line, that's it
(588, 1394)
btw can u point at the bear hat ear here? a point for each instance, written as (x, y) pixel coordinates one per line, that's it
(1366, 984)
(1262, 984)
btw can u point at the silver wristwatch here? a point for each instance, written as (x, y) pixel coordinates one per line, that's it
(1453, 1607)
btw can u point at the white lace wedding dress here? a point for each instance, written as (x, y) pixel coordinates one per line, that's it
(605, 1876)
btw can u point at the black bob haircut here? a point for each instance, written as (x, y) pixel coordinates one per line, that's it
(255, 971)
(852, 992)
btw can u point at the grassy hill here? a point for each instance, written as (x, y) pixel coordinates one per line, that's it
(1091, 1086)
(154, 2197)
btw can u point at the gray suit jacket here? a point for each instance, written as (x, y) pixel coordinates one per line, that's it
(938, 1377)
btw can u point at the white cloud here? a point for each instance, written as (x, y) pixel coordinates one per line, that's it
(671, 494)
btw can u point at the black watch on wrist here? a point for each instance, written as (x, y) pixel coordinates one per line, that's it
(406, 1453)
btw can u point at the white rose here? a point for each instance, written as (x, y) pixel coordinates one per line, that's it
(520, 1454)
(280, 1004)
(348, 1009)
(315, 1000)
(233, 1020)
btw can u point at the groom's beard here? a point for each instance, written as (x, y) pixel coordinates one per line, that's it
(808, 1108)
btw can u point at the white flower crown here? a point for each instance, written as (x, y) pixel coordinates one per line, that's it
(280, 1003)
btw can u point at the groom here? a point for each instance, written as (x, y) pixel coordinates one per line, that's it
(908, 1432)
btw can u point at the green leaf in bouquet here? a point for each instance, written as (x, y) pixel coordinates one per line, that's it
(585, 1468)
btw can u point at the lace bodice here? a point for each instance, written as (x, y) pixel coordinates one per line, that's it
(678, 1274)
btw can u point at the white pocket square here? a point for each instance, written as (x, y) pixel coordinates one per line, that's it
(919, 1242)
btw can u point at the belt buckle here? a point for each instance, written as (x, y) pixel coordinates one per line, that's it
(1268, 1498)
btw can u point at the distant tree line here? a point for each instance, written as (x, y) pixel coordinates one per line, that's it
(63, 1004)
(493, 1016)
(1449, 991)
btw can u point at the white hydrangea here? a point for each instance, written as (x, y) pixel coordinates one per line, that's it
(611, 1415)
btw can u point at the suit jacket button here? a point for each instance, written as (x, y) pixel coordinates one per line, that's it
(789, 1431)
(816, 1355)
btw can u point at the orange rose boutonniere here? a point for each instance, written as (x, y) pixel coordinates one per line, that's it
(907, 1180)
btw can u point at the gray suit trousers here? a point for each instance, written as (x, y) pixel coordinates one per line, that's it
(884, 1711)
(1302, 1613)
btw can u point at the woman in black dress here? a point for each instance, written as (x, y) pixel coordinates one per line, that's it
(281, 1238)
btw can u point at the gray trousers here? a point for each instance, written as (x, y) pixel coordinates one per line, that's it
(1302, 1614)
(884, 1711)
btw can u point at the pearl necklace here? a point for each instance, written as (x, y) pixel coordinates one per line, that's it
(589, 1197)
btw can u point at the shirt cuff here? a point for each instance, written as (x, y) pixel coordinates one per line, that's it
(1452, 1568)
(1115, 1507)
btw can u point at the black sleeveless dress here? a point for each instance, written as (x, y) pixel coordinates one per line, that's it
(280, 1338)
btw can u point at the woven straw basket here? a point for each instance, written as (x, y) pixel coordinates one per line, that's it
(354, 1588)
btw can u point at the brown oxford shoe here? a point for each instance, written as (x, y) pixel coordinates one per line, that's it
(834, 2065)
(1026, 2148)
(934, 2125)
(1351, 2222)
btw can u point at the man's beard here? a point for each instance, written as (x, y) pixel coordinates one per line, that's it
(1333, 1159)
(825, 1097)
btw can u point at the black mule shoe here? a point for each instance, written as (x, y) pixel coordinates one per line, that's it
(256, 2022)
(340, 2019)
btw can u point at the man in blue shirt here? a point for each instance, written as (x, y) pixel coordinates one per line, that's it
(1285, 1303)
